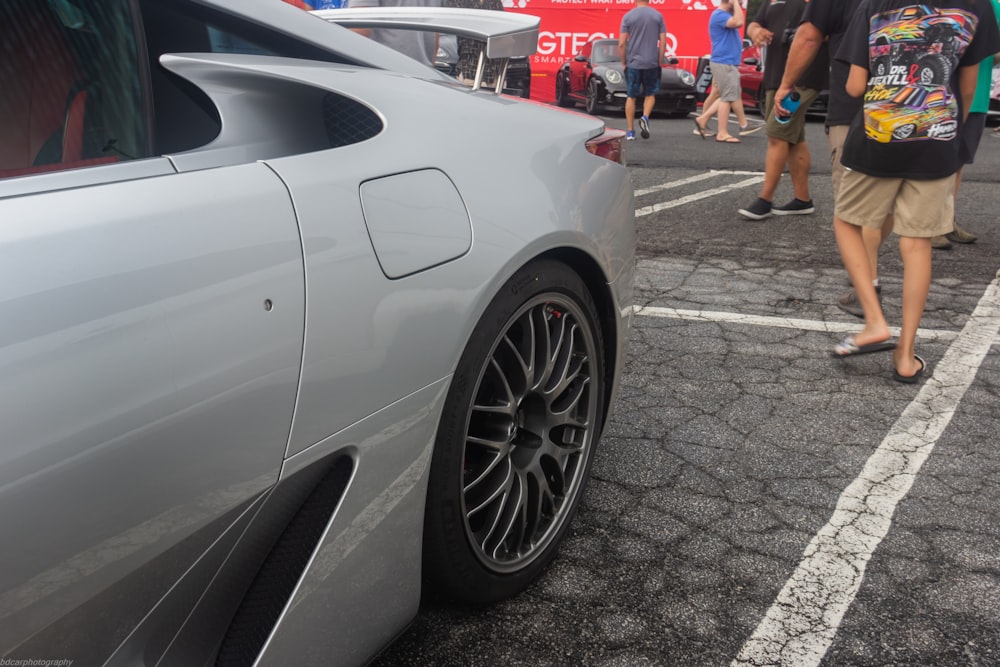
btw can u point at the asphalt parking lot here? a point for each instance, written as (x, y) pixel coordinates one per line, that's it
(755, 500)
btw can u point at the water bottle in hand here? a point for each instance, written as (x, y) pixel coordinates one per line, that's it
(791, 103)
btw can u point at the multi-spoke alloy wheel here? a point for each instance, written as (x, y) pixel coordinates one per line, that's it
(514, 448)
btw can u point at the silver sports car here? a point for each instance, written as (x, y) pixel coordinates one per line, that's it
(294, 329)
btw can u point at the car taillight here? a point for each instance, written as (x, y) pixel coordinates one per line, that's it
(610, 145)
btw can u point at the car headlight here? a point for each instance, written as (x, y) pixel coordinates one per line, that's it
(614, 76)
(686, 76)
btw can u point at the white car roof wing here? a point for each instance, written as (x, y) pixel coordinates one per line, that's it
(504, 34)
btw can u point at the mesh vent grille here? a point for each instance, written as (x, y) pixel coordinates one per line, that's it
(348, 122)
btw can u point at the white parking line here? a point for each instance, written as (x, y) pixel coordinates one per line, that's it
(704, 194)
(803, 621)
(780, 322)
(711, 173)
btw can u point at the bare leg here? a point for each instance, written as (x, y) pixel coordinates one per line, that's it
(798, 168)
(916, 254)
(874, 238)
(741, 116)
(855, 257)
(774, 164)
(647, 105)
(707, 113)
(629, 113)
(723, 122)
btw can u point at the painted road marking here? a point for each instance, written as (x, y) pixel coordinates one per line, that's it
(704, 194)
(780, 322)
(711, 173)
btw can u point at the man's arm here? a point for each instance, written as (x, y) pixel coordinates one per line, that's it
(805, 46)
(661, 46)
(622, 42)
(738, 18)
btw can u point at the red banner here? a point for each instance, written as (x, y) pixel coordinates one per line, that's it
(566, 25)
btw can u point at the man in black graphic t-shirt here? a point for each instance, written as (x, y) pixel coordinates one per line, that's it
(916, 65)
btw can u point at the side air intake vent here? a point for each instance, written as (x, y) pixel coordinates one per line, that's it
(274, 583)
(348, 122)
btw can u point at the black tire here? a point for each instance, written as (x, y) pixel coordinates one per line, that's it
(517, 436)
(593, 104)
(933, 69)
(562, 91)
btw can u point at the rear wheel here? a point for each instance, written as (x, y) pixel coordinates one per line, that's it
(517, 437)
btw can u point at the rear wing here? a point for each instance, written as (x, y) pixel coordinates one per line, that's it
(504, 34)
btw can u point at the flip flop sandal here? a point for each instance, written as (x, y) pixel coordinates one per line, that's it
(849, 347)
(911, 379)
(698, 129)
(706, 133)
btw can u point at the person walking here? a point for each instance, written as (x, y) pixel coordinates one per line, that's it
(826, 21)
(641, 42)
(774, 26)
(710, 108)
(727, 48)
(912, 174)
(972, 132)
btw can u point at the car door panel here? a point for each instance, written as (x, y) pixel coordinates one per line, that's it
(149, 362)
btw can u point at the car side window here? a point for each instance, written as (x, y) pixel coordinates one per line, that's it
(71, 83)
(185, 118)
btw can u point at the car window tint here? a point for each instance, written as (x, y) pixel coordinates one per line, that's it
(221, 41)
(71, 86)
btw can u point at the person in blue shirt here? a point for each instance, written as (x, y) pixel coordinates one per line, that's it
(727, 48)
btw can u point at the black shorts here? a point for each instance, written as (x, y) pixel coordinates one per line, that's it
(972, 132)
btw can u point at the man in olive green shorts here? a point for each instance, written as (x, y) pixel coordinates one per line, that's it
(775, 26)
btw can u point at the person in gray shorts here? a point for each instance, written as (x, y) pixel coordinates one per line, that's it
(727, 47)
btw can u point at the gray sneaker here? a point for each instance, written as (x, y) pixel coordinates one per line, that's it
(940, 242)
(758, 210)
(795, 207)
(848, 302)
(961, 235)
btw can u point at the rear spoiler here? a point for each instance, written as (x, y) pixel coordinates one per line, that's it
(504, 34)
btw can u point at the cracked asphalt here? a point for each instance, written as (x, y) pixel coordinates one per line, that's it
(755, 500)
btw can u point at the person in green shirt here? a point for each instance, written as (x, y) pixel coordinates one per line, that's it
(972, 132)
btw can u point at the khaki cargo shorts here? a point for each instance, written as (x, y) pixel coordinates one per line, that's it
(922, 208)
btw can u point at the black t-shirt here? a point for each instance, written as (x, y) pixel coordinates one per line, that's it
(782, 17)
(912, 116)
(832, 17)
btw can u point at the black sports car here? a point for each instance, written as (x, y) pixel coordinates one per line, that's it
(595, 76)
